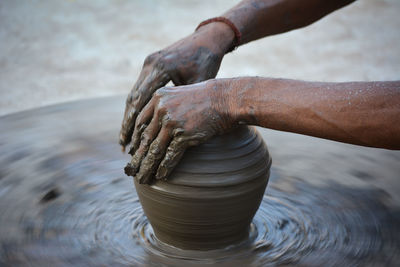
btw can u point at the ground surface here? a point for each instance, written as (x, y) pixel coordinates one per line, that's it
(55, 51)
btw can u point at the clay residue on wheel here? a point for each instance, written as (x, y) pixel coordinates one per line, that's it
(98, 221)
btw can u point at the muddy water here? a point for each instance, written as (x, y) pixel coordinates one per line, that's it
(64, 200)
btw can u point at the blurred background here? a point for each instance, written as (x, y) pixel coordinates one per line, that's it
(56, 51)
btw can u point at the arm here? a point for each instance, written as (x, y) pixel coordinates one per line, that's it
(362, 113)
(256, 19)
(198, 56)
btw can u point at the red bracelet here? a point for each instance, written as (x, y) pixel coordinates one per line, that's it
(238, 35)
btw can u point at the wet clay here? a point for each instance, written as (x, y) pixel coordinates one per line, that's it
(65, 201)
(211, 197)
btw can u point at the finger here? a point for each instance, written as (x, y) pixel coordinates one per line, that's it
(149, 134)
(174, 153)
(130, 111)
(136, 138)
(156, 152)
(145, 116)
(127, 125)
(155, 79)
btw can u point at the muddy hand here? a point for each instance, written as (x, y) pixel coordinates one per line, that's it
(174, 119)
(193, 59)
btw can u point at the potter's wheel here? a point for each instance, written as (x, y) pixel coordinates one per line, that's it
(64, 199)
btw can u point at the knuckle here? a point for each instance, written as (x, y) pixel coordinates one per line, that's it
(160, 92)
(178, 131)
(169, 124)
(157, 94)
(151, 58)
(161, 111)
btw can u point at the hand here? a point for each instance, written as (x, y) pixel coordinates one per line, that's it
(174, 119)
(193, 59)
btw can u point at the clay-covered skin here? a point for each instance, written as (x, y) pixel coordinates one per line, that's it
(361, 113)
(174, 119)
(193, 59)
(197, 57)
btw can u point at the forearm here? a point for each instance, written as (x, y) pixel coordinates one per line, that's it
(259, 18)
(362, 113)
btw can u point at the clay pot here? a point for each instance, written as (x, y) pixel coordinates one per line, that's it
(211, 197)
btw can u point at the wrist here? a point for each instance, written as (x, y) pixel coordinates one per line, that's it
(242, 94)
(222, 104)
(219, 35)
